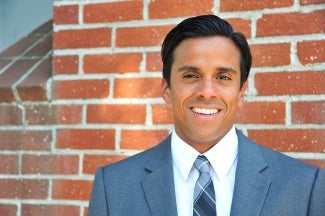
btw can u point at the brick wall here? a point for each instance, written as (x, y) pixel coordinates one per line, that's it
(103, 101)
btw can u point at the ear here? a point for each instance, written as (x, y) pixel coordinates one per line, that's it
(165, 91)
(242, 94)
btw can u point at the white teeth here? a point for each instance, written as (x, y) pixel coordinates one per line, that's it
(205, 111)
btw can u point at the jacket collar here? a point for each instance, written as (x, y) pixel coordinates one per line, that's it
(251, 186)
(158, 185)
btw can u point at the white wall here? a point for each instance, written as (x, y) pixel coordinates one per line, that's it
(20, 17)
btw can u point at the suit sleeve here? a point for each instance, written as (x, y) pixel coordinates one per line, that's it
(97, 203)
(317, 201)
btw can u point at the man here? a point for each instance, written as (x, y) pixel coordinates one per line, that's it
(205, 70)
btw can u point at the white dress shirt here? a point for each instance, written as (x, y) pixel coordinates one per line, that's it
(223, 159)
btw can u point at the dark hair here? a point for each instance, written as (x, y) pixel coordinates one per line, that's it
(204, 26)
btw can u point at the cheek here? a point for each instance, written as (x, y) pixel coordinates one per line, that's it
(176, 100)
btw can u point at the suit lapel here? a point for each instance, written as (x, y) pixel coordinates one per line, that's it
(158, 185)
(251, 186)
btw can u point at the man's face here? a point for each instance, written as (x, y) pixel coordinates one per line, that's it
(204, 89)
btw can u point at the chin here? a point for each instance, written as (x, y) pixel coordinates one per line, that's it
(204, 139)
(212, 137)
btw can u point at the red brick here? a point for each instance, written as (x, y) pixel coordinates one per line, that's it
(308, 112)
(112, 63)
(317, 163)
(65, 14)
(8, 210)
(10, 115)
(116, 114)
(142, 139)
(291, 23)
(17, 48)
(162, 114)
(86, 138)
(262, 113)
(244, 5)
(311, 52)
(50, 164)
(179, 8)
(92, 162)
(6, 95)
(85, 211)
(25, 140)
(309, 2)
(53, 114)
(141, 36)
(241, 25)
(49, 210)
(270, 54)
(8, 164)
(15, 71)
(32, 92)
(33, 87)
(65, 64)
(154, 62)
(137, 88)
(113, 12)
(290, 83)
(81, 89)
(24, 188)
(71, 189)
(40, 48)
(291, 140)
(3, 63)
(83, 38)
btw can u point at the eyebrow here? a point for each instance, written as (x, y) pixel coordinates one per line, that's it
(187, 68)
(226, 69)
(219, 69)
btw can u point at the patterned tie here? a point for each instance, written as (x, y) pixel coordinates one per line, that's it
(204, 197)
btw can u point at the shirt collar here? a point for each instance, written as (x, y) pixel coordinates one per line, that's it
(221, 156)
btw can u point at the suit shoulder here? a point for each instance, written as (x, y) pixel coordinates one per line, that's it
(140, 160)
(277, 160)
(284, 161)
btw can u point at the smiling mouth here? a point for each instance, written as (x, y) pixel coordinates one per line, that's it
(205, 111)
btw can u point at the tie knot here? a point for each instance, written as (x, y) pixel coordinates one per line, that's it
(202, 164)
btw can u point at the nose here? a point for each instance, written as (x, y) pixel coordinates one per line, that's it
(207, 89)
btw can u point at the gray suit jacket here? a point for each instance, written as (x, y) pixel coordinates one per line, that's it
(266, 183)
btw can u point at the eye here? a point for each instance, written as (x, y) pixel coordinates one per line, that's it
(190, 76)
(223, 77)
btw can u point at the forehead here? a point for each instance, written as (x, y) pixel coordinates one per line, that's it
(212, 42)
(217, 47)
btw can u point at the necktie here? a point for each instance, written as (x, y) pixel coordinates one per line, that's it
(204, 197)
